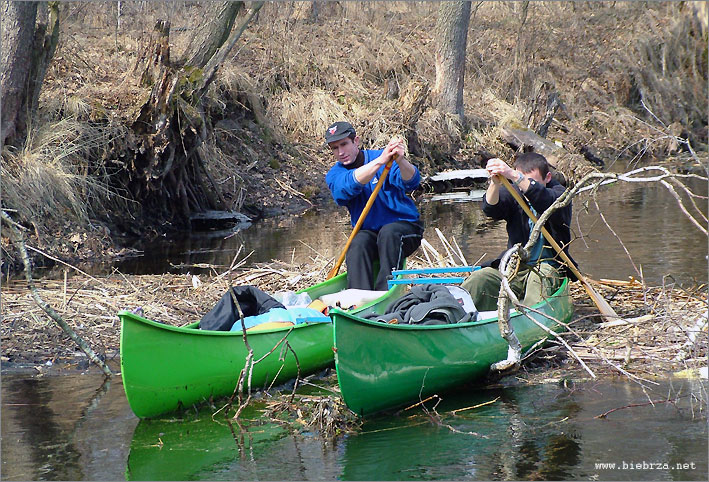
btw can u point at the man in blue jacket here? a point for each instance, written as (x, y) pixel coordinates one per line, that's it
(392, 230)
(543, 273)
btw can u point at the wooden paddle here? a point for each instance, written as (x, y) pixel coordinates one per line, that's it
(360, 221)
(606, 310)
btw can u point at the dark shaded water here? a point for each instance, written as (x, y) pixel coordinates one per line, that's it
(73, 428)
(646, 218)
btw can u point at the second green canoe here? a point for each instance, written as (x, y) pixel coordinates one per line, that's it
(382, 366)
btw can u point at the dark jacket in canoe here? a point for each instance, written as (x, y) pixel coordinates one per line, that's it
(426, 305)
(252, 301)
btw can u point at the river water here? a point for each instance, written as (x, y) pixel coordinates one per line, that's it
(75, 427)
(661, 243)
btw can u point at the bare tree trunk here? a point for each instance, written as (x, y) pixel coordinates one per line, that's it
(541, 109)
(18, 19)
(212, 34)
(520, 72)
(701, 11)
(27, 48)
(452, 38)
(45, 44)
(166, 171)
(315, 10)
(412, 105)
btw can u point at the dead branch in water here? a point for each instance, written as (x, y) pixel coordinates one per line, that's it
(631, 405)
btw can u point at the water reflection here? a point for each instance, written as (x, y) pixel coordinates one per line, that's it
(660, 239)
(195, 446)
(38, 430)
(71, 428)
(530, 433)
(64, 428)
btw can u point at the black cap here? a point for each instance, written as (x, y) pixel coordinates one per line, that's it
(339, 130)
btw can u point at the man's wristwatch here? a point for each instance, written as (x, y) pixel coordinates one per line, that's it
(519, 179)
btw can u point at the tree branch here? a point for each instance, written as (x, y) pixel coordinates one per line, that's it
(213, 64)
(19, 241)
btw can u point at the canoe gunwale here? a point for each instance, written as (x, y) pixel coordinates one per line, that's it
(470, 324)
(188, 330)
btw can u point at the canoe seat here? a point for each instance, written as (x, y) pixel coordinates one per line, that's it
(489, 315)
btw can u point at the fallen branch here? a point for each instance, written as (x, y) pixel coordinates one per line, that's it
(62, 262)
(489, 402)
(523, 309)
(508, 271)
(19, 241)
(651, 402)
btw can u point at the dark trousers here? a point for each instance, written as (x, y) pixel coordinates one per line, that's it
(391, 245)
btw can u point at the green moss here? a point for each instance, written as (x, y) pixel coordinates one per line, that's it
(309, 192)
(193, 74)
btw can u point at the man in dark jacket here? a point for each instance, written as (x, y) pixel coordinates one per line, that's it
(542, 275)
(392, 230)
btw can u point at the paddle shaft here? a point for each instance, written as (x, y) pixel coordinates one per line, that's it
(602, 304)
(333, 272)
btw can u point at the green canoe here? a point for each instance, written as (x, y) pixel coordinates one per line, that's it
(167, 367)
(382, 366)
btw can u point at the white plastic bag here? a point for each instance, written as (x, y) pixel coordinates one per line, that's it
(290, 299)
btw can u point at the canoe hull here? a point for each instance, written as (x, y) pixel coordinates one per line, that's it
(382, 366)
(166, 367)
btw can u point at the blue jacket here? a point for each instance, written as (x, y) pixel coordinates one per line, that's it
(392, 204)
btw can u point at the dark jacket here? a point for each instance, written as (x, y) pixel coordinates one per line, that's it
(425, 305)
(252, 301)
(518, 230)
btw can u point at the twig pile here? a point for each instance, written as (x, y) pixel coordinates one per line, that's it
(663, 328)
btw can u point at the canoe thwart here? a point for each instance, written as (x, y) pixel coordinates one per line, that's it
(440, 280)
(425, 281)
(448, 269)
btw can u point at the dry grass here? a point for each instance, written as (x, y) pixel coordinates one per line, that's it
(662, 331)
(310, 71)
(307, 72)
(50, 181)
